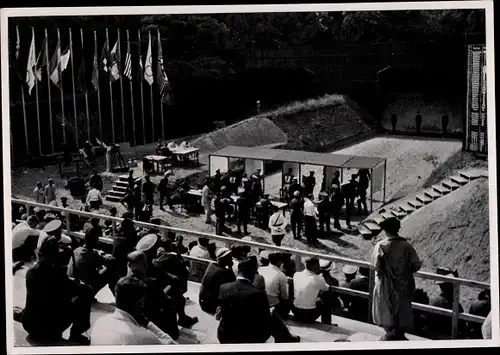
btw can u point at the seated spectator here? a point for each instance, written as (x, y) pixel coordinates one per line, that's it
(92, 267)
(53, 301)
(25, 239)
(420, 317)
(312, 295)
(40, 213)
(217, 274)
(166, 281)
(276, 285)
(192, 244)
(124, 243)
(93, 223)
(174, 264)
(357, 306)
(199, 251)
(66, 244)
(159, 308)
(480, 307)
(244, 311)
(350, 272)
(127, 325)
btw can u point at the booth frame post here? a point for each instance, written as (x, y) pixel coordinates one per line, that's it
(209, 166)
(341, 176)
(227, 170)
(371, 190)
(263, 177)
(300, 174)
(385, 181)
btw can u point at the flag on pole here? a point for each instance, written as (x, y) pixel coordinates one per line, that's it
(58, 64)
(18, 43)
(148, 66)
(105, 58)
(161, 76)
(95, 71)
(128, 62)
(114, 70)
(81, 83)
(30, 74)
(41, 61)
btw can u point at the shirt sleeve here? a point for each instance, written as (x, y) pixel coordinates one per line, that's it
(283, 287)
(163, 337)
(415, 261)
(321, 283)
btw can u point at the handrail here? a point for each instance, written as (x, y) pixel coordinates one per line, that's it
(457, 282)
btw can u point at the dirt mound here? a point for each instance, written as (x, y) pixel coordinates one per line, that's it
(255, 131)
(453, 232)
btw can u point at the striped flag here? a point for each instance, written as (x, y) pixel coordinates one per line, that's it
(114, 70)
(128, 62)
(148, 66)
(41, 61)
(161, 76)
(30, 74)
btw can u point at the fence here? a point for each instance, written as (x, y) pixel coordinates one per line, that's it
(457, 282)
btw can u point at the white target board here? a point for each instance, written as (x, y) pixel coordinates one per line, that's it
(295, 169)
(378, 178)
(218, 163)
(251, 166)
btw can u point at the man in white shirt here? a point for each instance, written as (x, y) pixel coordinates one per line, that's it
(24, 239)
(206, 201)
(312, 298)
(200, 251)
(128, 325)
(39, 193)
(50, 192)
(310, 213)
(276, 284)
(94, 198)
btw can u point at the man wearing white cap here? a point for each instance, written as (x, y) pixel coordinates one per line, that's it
(217, 274)
(244, 207)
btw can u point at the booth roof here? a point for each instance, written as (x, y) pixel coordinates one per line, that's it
(301, 157)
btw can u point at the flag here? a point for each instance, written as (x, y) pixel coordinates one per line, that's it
(128, 62)
(65, 59)
(148, 66)
(81, 83)
(114, 70)
(58, 64)
(41, 61)
(18, 43)
(15, 64)
(30, 75)
(95, 71)
(105, 58)
(161, 76)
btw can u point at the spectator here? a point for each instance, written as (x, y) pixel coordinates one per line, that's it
(128, 324)
(124, 243)
(96, 180)
(324, 213)
(395, 261)
(217, 274)
(206, 199)
(337, 201)
(94, 198)
(53, 301)
(158, 307)
(244, 311)
(221, 205)
(480, 307)
(312, 296)
(358, 307)
(163, 188)
(172, 263)
(364, 183)
(92, 267)
(350, 190)
(50, 191)
(309, 183)
(244, 208)
(93, 223)
(277, 224)
(350, 272)
(276, 285)
(264, 258)
(25, 239)
(39, 193)
(296, 212)
(310, 219)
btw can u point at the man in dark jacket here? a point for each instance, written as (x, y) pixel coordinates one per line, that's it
(244, 208)
(124, 243)
(350, 191)
(164, 191)
(96, 180)
(216, 181)
(137, 200)
(295, 186)
(309, 183)
(445, 120)
(324, 211)
(242, 307)
(221, 205)
(148, 190)
(53, 301)
(337, 201)
(296, 212)
(216, 275)
(418, 121)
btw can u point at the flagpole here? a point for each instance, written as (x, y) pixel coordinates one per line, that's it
(142, 91)
(59, 72)
(98, 88)
(37, 103)
(119, 53)
(110, 91)
(25, 120)
(49, 92)
(131, 90)
(161, 98)
(85, 87)
(77, 137)
(151, 94)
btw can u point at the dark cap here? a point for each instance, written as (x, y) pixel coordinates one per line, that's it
(248, 264)
(128, 215)
(391, 223)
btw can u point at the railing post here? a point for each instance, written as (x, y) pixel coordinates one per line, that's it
(456, 310)
(113, 229)
(68, 225)
(371, 284)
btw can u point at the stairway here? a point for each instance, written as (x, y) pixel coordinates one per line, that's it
(370, 227)
(119, 189)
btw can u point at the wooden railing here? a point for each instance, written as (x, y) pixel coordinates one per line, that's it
(455, 281)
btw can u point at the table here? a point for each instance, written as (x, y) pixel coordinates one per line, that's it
(280, 205)
(157, 159)
(189, 153)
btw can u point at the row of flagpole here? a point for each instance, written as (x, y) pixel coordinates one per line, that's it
(110, 61)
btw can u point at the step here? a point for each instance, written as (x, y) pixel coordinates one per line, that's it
(116, 193)
(443, 190)
(364, 231)
(432, 194)
(469, 175)
(378, 219)
(387, 214)
(398, 214)
(123, 178)
(415, 204)
(407, 208)
(113, 198)
(121, 183)
(119, 188)
(450, 184)
(424, 199)
(373, 227)
(459, 179)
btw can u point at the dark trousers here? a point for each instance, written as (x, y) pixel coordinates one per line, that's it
(336, 218)
(324, 221)
(77, 315)
(109, 277)
(277, 239)
(138, 210)
(296, 224)
(25, 252)
(324, 308)
(393, 124)
(362, 202)
(418, 124)
(166, 320)
(95, 205)
(445, 127)
(165, 196)
(311, 228)
(349, 206)
(219, 224)
(283, 309)
(243, 221)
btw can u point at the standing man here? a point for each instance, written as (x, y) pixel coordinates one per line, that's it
(244, 207)
(148, 190)
(337, 201)
(336, 179)
(216, 181)
(418, 122)
(50, 191)
(445, 120)
(394, 121)
(94, 198)
(364, 182)
(310, 218)
(296, 212)
(96, 180)
(309, 183)
(221, 205)
(39, 193)
(163, 189)
(206, 201)
(350, 192)
(324, 211)
(137, 198)
(295, 186)
(287, 181)
(277, 224)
